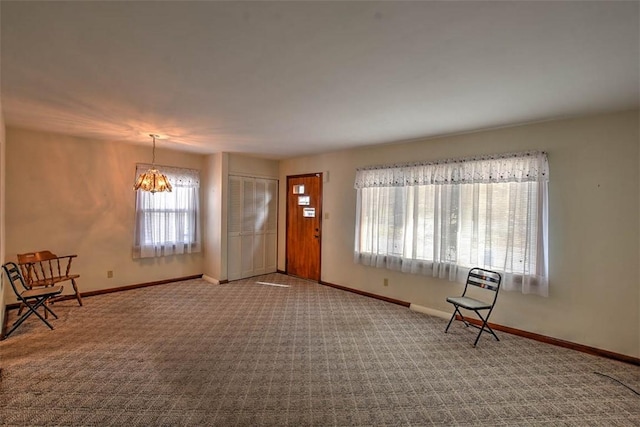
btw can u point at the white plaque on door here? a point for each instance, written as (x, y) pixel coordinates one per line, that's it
(303, 200)
(309, 212)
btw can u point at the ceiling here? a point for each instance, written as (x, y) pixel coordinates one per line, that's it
(284, 79)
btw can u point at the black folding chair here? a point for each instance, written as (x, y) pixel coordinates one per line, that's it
(487, 280)
(31, 298)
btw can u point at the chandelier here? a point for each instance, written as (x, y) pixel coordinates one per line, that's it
(152, 180)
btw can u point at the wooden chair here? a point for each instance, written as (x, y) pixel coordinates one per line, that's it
(47, 269)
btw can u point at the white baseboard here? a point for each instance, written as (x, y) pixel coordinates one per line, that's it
(430, 311)
(211, 279)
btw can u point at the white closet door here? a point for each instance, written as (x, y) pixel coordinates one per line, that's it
(252, 244)
(271, 226)
(248, 226)
(259, 249)
(234, 227)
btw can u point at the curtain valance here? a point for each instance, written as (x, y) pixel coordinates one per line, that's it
(529, 166)
(178, 177)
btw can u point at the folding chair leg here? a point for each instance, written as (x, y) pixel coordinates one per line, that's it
(18, 322)
(32, 310)
(475, 343)
(47, 309)
(23, 305)
(453, 316)
(482, 329)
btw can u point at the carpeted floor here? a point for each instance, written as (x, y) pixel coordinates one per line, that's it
(250, 354)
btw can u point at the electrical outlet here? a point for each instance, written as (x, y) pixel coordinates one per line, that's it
(385, 282)
(109, 274)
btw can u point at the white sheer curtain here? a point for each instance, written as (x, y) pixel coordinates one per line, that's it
(168, 223)
(443, 218)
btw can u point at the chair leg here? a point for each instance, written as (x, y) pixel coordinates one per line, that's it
(75, 289)
(32, 310)
(18, 323)
(47, 309)
(475, 343)
(453, 316)
(482, 329)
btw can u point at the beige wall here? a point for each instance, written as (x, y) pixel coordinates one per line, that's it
(214, 224)
(218, 167)
(595, 162)
(594, 245)
(253, 166)
(2, 215)
(75, 196)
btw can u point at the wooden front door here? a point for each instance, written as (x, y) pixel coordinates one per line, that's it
(304, 225)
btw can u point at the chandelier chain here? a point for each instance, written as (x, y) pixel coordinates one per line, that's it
(153, 152)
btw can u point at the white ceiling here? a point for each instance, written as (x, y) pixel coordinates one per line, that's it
(282, 79)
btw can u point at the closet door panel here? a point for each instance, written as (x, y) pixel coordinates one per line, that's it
(259, 252)
(252, 227)
(271, 259)
(234, 227)
(246, 250)
(234, 267)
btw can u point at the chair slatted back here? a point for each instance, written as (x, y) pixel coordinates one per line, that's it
(484, 279)
(13, 274)
(39, 267)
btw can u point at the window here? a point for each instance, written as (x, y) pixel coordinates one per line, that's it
(444, 218)
(168, 223)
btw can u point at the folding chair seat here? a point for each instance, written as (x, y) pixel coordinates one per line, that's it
(489, 282)
(32, 299)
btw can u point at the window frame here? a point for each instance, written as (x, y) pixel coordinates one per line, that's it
(526, 175)
(186, 187)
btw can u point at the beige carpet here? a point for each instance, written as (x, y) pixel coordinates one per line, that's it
(249, 354)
